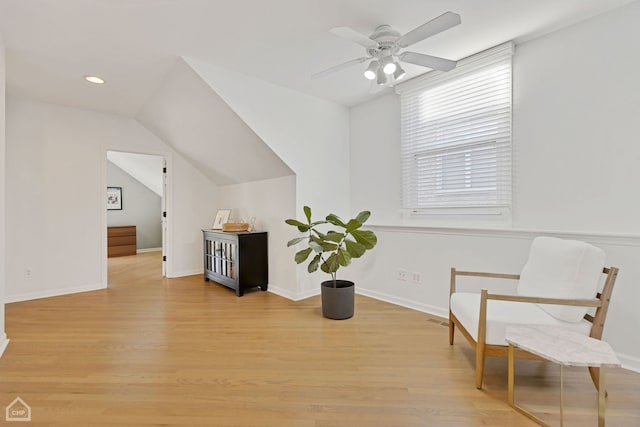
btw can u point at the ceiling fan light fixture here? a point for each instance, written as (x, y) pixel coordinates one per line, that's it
(383, 50)
(381, 77)
(399, 73)
(388, 65)
(370, 72)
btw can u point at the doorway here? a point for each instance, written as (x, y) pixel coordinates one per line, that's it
(136, 214)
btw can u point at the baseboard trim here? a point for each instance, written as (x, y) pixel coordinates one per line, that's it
(629, 362)
(145, 250)
(4, 342)
(285, 293)
(186, 273)
(403, 302)
(52, 293)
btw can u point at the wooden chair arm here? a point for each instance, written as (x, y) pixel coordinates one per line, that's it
(543, 300)
(455, 273)
(482, 274)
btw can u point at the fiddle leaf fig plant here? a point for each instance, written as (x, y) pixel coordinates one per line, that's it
(331, 249)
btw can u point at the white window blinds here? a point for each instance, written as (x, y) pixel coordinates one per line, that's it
(456, 135)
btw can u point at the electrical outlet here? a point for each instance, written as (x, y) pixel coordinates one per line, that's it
(402, 275)
(415, 277)
(27, 273)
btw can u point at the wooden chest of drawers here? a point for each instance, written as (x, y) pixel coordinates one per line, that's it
(121, 241)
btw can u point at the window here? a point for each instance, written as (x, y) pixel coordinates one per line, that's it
(456, 135)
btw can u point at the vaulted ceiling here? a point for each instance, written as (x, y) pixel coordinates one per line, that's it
(51, 44)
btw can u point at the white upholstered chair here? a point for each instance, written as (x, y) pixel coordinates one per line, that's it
(557, 286)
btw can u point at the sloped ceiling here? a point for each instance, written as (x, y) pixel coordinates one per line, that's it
(145, 168)
(187, 114)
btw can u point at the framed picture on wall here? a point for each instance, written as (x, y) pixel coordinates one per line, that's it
(221, 217)
(114, 198)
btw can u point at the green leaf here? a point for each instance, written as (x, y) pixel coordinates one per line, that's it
(294, 222)
(353, 224)
(320, 236)
(335, 220)
(329, 246)
(356, 250)
(365, 237)
(317, 247)
(331, 265)
(363, 216)
(307, 213)
(324, 245)
(334, 236)
(343, 257)
(302, 255)
(296, 241)
(313, 265)
(303, 228)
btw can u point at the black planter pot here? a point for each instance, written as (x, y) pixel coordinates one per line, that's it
(338, 302)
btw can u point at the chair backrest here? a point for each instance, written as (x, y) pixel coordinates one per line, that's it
(600, 315)
(559, 268)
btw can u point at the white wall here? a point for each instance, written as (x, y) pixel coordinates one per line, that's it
(3, 336)
(56, 212)
(269, 201)
(576, 109)
(309, 134)
(576, 104)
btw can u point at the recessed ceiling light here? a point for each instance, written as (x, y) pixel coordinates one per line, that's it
(94, 79)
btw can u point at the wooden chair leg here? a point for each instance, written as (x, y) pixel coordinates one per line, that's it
(452, 327)
(595, 375)
(482, 334)
(479, 365)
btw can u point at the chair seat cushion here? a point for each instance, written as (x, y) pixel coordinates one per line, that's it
(466, 308)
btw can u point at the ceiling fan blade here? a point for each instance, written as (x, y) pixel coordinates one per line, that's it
(339, 67)
(354, 36)
(435, 26)
(428, 61)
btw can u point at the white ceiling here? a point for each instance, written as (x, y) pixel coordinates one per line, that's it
(133, 44)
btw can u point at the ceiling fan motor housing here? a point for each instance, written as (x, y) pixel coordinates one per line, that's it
(387, 38)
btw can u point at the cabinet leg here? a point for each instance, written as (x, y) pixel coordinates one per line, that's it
(239, 292)
(263, 287)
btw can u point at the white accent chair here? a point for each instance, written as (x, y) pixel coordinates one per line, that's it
(557, 286)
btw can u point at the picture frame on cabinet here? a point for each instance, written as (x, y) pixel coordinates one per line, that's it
(221, 217)
(114, 198)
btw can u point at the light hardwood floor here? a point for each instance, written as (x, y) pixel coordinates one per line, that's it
(152, 351)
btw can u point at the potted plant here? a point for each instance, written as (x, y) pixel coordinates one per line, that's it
(331, 249)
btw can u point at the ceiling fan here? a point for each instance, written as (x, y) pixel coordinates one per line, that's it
(383, 48)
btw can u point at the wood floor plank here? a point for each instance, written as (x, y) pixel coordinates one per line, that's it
(153, 351)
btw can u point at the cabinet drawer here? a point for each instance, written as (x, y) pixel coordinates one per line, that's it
(122, 240)
(113, 251)
(121, 231)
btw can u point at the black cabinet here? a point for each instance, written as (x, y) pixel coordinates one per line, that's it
(237, 260)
